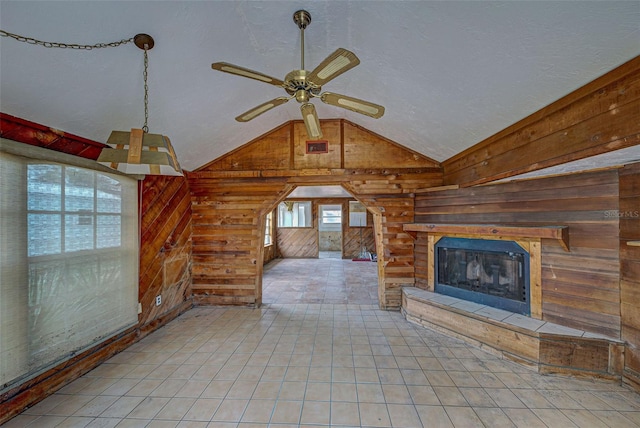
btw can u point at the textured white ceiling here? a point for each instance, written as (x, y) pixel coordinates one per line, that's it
(449, 73)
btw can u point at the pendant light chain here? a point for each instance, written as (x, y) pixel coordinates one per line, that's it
(32, 41)
(145, 128)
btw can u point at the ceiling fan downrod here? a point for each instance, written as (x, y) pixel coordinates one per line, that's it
(302, 18)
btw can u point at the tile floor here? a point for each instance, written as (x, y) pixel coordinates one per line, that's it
(318, 364)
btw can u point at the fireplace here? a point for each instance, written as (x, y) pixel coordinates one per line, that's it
(489, 272)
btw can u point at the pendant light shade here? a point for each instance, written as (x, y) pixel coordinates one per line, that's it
(138, 152)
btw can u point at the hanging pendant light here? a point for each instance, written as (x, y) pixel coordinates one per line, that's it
(138, 152)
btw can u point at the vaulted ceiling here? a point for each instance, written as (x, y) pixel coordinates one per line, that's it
(450, 74)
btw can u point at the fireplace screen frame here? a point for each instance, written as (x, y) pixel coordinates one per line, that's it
(480, 245)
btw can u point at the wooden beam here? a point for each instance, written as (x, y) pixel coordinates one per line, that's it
(559, 233)
(599, 117)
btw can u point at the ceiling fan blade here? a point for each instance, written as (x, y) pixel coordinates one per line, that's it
(333, 66)
(257, 111)
(245, 72)
(311, 120)
(353, 104)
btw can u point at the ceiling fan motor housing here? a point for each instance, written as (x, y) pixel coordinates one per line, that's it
(296, 84)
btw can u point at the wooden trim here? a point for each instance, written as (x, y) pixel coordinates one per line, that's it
(438, 188)
(560, 233)
(607, 79)
(633, 243)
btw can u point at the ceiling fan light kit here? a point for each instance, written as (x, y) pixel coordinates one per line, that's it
(304, 85)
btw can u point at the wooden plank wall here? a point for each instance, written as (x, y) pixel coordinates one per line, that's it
(354, 238)
(602, 116)
(304, 242)
(629, 215)
(165, 249)
(228, 237)
(298, 242)
(580, 288)
(254, 178)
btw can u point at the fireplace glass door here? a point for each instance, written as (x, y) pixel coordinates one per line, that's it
(489, 272)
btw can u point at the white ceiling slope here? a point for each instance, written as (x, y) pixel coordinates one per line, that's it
(450, 74)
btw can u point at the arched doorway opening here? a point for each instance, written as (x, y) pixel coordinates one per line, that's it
(322, 249)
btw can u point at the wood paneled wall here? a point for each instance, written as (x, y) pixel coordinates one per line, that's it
(597, 118)
(232, 194)
(305, 242)
(165, 248)
(629, 216)
(580, 288)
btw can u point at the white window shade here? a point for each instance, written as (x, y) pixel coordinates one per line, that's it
(68, 262)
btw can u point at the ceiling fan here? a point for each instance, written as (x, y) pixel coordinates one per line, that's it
(304, 85)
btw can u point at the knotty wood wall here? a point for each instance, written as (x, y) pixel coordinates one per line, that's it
(231, 195)
(305, 242)
(597, 118)
(165, 248)
(629, 216)
(580, 288)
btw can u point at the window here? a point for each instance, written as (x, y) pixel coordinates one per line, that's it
(330, 218)
(294, 214)
(357, 214)
(331, 215)
(68, 262)
(268, 229)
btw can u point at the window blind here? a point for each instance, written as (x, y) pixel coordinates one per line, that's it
(68, 261)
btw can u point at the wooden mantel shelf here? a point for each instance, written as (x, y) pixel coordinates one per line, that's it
(559, 233)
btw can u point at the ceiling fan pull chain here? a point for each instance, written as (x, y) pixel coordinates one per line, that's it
(33, 41)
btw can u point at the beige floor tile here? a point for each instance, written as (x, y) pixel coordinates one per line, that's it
(422, 394)
(122, 407)
(176, 408)
(345, 414)
(230, 410)
(396, 394)
(316, 412)
(494, 417)
(390, 376)
(202, 409)
(319, 374)
(148, 408)
(241, 389)
(370, 393)
(554, 418)
(259, 411)
(364, 374)
(584, 418)
(217, 389)
(192, 388)
(318, 391)
(524, 417)
(533, 399)
(374, 415)
(286, 412)
(613, 418)
(436, 416)
(292, 391)
(267, 390)
(404, 415)
(505, 397)
(344, 392)
(168, 388)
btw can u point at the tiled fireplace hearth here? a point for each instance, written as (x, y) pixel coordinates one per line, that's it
(484, 286)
